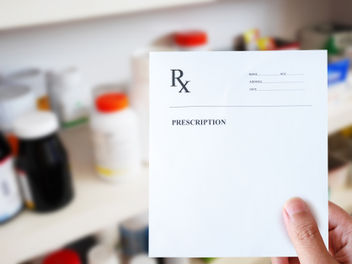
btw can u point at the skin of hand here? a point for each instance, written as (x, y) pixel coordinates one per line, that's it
(304, 234)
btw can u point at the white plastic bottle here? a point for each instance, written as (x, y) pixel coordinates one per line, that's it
(115, 138)
(139, 92)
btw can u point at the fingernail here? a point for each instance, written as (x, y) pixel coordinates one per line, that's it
(295, 206)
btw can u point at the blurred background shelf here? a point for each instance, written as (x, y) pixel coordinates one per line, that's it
(106, 41)
(95, 206)
(343, 198)
(16, 14)
(240, 261)
(340, 116)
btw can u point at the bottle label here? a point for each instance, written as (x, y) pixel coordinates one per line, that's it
(10, 197)
(116, 154)
(26, 191)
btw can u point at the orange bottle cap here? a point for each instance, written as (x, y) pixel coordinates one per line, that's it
(191, 38)
(111, 102)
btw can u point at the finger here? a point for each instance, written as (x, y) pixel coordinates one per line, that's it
(340, 228)
(304, 233)
(279, 260)
(338, 217)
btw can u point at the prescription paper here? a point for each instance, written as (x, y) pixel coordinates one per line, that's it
(233, 135)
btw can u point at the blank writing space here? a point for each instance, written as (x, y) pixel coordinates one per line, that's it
(279, 74)
(276, 82)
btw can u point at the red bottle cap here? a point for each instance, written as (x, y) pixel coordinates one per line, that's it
(191, 38)
(111, 102)
(65, 256)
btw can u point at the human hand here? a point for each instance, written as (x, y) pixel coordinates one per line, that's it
(304, 234)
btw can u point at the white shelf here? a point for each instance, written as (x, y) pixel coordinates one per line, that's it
(97, 204)
(15, 14)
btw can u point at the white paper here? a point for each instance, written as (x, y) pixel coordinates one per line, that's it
(218, 190)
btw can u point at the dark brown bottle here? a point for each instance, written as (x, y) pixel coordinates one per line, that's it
(42, 163)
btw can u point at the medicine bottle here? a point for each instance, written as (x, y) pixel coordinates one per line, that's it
(42, 163)
(10, 197)
(115, 137)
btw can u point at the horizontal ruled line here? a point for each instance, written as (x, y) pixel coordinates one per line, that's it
(279, 90)
(283, 82)
(238, 106)
(278, 74)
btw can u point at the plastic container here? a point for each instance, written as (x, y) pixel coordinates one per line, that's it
(195, 40)
(115, 137)
(134, 235)
(102, 254)
(65, 256)
(69, 98)
(250, 38)
(338, 71)
(10, 197)
(42, 163)
(34, 79)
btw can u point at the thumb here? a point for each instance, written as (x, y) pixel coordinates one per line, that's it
(304, 233)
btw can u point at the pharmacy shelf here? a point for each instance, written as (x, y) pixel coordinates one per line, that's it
(97, 204)
(340, 116)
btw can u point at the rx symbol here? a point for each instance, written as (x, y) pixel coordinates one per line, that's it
(176, 76)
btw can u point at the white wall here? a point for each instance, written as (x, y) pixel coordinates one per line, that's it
(101, 48)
